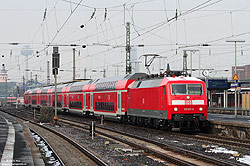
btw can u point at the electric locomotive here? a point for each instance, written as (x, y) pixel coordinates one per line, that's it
(168, 102)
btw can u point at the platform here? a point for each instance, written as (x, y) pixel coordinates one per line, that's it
(229, 125)
(244, 120)
(228, 110)
(15, 148)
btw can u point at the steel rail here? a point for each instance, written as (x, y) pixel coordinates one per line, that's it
(189, 153)
(161, 155)
(168, 147)
(239, 142)
(217, 139)
(93, 157)
(56, 155)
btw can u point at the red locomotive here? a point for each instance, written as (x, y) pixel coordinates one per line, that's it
(161, 102)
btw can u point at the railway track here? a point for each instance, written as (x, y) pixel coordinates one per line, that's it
(84, 152)
(167, 147)
(176, 150)
(43, 143)
(164, 156)
(232, 142)
(220, 140)
(148, 151)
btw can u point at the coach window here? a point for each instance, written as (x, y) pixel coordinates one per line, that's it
(84, 100)
(163, 90)
(67, 101)
(119, 101)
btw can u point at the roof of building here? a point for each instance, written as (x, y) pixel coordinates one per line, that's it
(3, 70)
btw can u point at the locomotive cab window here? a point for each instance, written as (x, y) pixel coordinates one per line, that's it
(186, 89)
(195, 89)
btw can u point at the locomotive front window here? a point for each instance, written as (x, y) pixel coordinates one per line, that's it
(186, 89)
(194, 89)
(179, 89)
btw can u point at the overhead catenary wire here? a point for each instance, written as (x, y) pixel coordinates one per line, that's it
(165, 9)
(67, 19)
(45, 15)
(116, 37)
(185, 13)
(57, 30)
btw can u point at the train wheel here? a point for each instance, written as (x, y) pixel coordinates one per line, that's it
(204, 127)
(134, 120)
(140, 121)
(86, 114)
(148, 122)
(124, 119)
(169, 128)
(66, 111)
(156, 123)
(164, 125)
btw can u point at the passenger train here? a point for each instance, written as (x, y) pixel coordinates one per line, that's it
(157, 100)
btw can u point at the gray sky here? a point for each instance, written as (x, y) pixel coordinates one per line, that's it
(152, 24)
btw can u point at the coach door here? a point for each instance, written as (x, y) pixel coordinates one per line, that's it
(67, 105)
(38, 101)
(164, 98)
(91, 101)
(51, 100)
(118, 103)
(84, 102)
(62, 101)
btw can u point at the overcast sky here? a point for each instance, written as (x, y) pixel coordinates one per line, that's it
(153, 24)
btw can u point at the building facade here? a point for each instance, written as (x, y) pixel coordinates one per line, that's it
(3, 75)
(243, 72)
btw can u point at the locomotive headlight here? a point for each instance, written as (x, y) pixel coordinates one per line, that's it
(200, 108)
(175, 109)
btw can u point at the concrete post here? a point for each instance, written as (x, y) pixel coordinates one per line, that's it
(225, 98)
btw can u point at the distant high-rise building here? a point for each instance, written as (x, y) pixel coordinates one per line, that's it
(3, 75)
(27, 51)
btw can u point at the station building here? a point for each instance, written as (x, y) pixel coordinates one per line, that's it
(221, 94)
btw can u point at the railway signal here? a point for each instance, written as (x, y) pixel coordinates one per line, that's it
(55, 67)
(55, 60)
